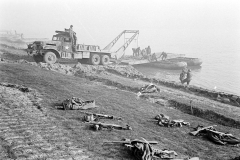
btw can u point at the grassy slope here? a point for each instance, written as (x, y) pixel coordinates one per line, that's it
(179, 95)
(56, 87)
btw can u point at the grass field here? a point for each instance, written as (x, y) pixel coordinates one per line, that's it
(114, 99)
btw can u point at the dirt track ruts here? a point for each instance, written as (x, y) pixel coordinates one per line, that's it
(26, 132)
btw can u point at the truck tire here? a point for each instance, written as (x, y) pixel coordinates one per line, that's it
(105, 60)
(50, 58)
(38, 58)
(95, 59)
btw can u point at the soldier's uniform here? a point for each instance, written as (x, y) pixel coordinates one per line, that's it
(71, 33)
(164, 55)
(189, 77)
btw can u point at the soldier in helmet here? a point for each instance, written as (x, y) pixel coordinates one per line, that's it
(164, 55)
(183, 75)
(189, 77)
(71, 33)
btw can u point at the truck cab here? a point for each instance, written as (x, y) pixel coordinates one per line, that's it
(65, 44)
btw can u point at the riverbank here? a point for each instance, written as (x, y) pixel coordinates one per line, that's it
(114, 88)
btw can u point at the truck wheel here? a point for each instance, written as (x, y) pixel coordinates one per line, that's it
(50, 58)
(38, 58)
(95, 59)
(105, 60)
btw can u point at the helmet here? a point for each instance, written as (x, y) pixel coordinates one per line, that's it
(71, 26)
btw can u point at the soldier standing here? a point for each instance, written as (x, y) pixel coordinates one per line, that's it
(149, 50)
(72, 37)
(189, 77)
(182, 76)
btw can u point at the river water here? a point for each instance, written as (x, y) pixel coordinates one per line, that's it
(220, 69)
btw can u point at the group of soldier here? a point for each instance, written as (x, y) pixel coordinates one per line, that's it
(185, 76)
(144, 52)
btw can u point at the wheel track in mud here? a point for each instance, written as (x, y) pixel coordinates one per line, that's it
(26, 132)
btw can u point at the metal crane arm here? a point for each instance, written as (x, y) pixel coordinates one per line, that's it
(124, 47)
(112, 43)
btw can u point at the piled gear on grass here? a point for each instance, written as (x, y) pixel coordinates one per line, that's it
(77, 103)
(151, 88)
(142, 150)
(91, 117)
(215, 136)
(164, 120)
(100, 126)
(93, 120)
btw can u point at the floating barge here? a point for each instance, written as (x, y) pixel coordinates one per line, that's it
(189, 61)
(166, 64)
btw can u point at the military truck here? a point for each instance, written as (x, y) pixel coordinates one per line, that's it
(61, 46)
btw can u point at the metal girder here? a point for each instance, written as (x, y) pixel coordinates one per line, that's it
(124, 47)
(113, 42)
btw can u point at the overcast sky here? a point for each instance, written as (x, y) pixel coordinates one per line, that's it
(99, 21)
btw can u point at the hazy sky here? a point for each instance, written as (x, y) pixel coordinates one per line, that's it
(160, 22)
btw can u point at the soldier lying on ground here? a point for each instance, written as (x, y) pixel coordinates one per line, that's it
(76, 103)
(215, 136)
(151, 88)
(142, 150)
(99, 126)
(95, 117)
(164, 120)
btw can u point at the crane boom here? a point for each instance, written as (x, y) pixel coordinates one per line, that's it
(114, 41)
(125, 45)
(111, 44)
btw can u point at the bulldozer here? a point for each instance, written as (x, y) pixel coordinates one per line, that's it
(63, 46)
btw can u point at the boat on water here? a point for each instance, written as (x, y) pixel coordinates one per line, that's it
(166, 64)
(189, 61)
